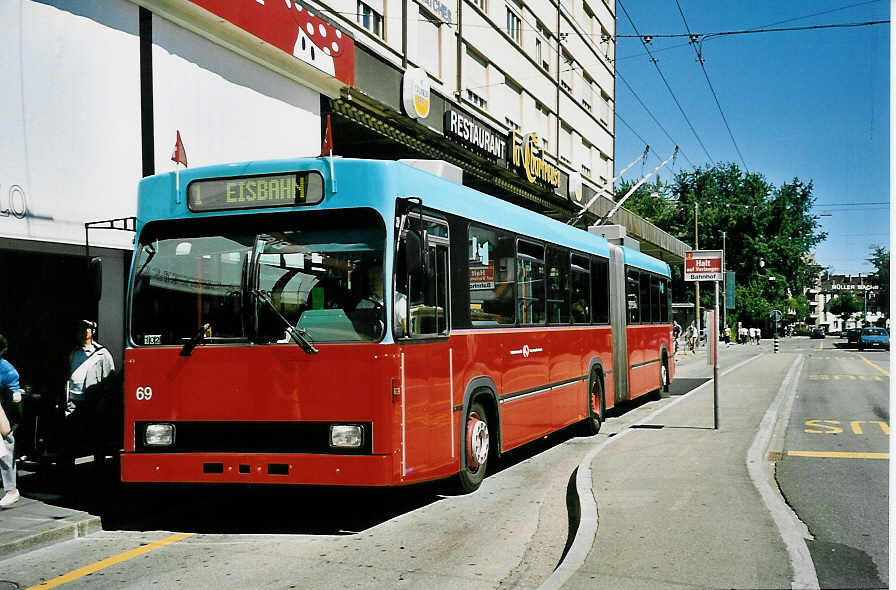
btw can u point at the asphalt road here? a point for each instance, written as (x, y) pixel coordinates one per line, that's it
(835, 461)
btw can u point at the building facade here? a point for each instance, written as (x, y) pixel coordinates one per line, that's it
(830, 286)
(518, 94)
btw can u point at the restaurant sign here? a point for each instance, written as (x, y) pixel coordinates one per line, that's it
(471, 134)
(529, 158)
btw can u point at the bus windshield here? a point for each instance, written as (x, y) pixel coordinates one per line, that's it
(321, 270)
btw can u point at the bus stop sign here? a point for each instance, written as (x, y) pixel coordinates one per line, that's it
(703, 265)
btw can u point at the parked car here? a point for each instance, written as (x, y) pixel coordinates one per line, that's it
(873, 338)
(852, 335)
(817, 333)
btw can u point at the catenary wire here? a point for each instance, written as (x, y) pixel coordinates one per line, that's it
(713, 90)
(666, 82)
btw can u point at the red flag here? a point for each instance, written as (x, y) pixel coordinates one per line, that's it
(327, 146)
(180, 154)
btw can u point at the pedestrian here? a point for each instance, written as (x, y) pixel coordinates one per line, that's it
(727, 335)
(758, 335)
(676, 333)
(692, 338)
(10, 393)
(90, 362)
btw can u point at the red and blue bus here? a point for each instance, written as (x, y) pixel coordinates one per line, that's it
(367, 323)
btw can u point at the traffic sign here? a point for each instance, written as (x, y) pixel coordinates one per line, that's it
(703, 265)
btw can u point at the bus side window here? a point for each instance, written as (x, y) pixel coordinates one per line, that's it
(665, 297)
(558, 286)
(632, 288)
(421, 295)
(600, 291)
(490, 257)
(530, 283)
(580, 290)
(655, 300)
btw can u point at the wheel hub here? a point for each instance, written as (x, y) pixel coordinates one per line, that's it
(477, 441)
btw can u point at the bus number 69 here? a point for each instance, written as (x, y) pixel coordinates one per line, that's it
(144, 393)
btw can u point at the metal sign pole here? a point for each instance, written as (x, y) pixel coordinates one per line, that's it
(715, 363)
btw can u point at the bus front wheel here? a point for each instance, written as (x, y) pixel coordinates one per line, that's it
(475, 450)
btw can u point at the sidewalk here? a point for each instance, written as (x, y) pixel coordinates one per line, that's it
(30, 523)
(676, 504)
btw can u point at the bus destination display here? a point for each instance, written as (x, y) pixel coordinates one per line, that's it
(274, 190)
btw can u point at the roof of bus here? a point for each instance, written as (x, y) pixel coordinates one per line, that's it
(354, 180)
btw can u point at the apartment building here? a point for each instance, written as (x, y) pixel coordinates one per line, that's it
(830, 286)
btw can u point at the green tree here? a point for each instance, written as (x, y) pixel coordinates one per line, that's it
(762, 222)
(880, 259)
(844, 305)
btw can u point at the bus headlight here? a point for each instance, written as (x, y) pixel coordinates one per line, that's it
(346, 436)
(159, 435)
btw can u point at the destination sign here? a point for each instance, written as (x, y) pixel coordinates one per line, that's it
(249, 192)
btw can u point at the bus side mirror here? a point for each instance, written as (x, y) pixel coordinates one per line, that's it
(413, 251)
(95, 278)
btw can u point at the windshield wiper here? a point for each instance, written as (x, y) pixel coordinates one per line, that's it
(298, 335)
(196, 340)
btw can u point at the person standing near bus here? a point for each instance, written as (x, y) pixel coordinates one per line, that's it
(10, 393)
(89, 362)
(676, 333)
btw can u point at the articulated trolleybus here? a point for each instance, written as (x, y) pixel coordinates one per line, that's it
(367, 323)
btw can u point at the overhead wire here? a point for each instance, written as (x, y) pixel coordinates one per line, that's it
(666, 82)
(713, 90)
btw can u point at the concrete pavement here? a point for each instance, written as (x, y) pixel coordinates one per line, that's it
(30, 523)
(672, 503)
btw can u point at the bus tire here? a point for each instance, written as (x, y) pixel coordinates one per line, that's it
(595, 398)
(475, 449)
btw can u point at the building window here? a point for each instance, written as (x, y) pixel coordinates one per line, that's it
(476, 79)
(428, 43)
(514, 26)
(370, 19)
(587, 93)
(482, 4)
(604, 108)
(514, 114)
(566, 69)
(544, 125)
(542, 47)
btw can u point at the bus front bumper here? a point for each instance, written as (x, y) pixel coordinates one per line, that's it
(229, 468)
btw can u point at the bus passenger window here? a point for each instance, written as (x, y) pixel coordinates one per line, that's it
(580, 290)
(490, 259)
(644, 299)
(664, 300)
(558, 286)
(530, 283)
(600, 290)
(655, 300)
(632, 286)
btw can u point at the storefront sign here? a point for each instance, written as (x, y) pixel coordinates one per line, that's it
(468, 132)
(703, 265)
(289, 26)
(440, 9)
(574, 190)
(529, 157)
(415, 91)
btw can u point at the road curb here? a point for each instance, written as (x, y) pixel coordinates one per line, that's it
(64, 532)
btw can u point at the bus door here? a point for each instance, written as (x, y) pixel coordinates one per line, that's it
(526, 409)
(421, 328)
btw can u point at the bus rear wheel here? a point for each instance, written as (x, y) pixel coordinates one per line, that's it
(475, 449)
(595, 406)
(664, 373)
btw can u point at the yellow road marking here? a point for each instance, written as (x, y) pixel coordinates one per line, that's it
(89, 569)
(838, 455)
(875, 366)
(821, 345)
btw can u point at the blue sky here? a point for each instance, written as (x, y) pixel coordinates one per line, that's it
(807, 104)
